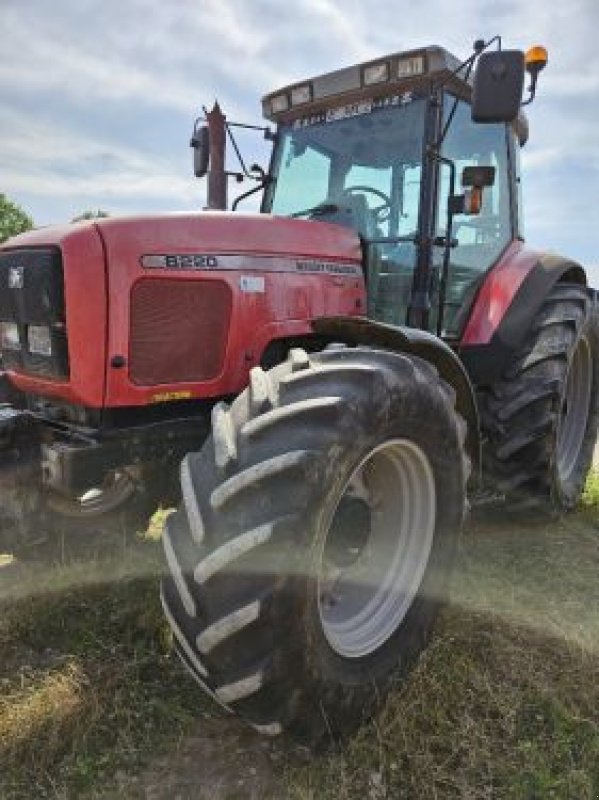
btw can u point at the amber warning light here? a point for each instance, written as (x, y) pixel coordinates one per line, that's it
(536, 59)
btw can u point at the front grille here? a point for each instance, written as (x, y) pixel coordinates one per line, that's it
(32, 293)
(179, 330)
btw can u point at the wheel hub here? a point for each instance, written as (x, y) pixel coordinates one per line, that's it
(117, 487)
(349, 532)
(377, 548)
(574, 411)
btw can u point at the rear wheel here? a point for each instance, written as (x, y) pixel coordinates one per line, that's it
(540, 421)
(311, 554)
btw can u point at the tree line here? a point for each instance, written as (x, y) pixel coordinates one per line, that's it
(14, 220)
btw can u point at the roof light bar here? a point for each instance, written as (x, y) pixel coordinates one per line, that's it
(392, 73)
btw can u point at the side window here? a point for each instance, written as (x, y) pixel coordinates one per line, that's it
(480, 238)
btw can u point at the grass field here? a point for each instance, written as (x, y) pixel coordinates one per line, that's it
(504, 704)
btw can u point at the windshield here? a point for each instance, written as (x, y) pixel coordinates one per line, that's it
(358, 166)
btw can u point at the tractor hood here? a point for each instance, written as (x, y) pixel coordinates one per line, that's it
(209, 232)
(213, 232)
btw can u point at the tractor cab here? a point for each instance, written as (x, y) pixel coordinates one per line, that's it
(386, 148)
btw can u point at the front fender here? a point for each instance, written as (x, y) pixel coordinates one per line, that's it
(412, 341)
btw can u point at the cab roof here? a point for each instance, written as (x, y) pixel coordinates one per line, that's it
(393, 73)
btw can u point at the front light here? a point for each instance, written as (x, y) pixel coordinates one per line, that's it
(376, 73)
(301, 94)
(10, 336)
(279, 104)
(409, 67)
(39, 340)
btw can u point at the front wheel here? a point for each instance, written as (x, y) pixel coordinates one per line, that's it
(45, 525)
(312, 551)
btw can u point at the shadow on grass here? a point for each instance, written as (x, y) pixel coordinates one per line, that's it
(504, 703)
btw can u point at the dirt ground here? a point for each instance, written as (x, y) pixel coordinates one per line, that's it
(222, 760)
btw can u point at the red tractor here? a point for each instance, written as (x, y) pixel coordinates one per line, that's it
(338, 373)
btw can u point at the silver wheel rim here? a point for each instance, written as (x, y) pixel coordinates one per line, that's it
(361, 606)
(114, 492)
(574, 412)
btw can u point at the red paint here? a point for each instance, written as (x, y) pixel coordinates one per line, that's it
(497, 293)
(102, 260)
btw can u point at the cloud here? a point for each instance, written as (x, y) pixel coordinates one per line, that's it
(98, 95)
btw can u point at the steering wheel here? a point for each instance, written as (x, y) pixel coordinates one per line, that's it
(378, 211)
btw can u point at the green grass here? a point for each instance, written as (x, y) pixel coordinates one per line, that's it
(590, 496)
(503, 704)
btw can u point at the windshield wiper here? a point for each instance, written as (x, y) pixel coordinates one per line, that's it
(320, 210)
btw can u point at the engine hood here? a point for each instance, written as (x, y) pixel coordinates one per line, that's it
(224, 232)
(208, 232)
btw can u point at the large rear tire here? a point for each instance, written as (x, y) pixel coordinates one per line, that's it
(540, 421)
(311, 554)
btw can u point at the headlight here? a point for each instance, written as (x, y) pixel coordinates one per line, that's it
(301, 94)
(10, 336)
(279, 104)
(39, 340)
(376, 73)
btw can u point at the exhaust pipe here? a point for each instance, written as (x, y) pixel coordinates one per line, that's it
(217, 178)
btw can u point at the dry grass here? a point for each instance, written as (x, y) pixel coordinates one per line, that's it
(505, 703)
(88, 684)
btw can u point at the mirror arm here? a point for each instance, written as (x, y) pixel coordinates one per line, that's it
(532, 89)
(246, 173)
(264, 183)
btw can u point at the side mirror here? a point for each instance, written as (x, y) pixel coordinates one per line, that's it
(497, 86)
(474, 181)
(200, 141)
(478, 177)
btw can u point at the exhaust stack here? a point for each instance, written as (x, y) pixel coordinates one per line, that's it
(217, 178)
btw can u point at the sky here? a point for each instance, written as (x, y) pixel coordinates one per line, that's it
(97, 99)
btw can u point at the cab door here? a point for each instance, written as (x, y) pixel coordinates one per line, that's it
(479, 240)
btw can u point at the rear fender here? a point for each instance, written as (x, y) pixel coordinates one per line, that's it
(509, 299)
(360, 331)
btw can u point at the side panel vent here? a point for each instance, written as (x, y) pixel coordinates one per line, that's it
(179, 330)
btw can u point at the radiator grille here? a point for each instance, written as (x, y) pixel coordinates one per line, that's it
(32, 293)
(178, 330)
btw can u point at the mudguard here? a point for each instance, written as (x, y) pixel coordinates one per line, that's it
(358, 330)
(510, 297)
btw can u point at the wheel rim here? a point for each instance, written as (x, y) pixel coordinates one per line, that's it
(362, 603)
(574, 411)
(115, 490)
